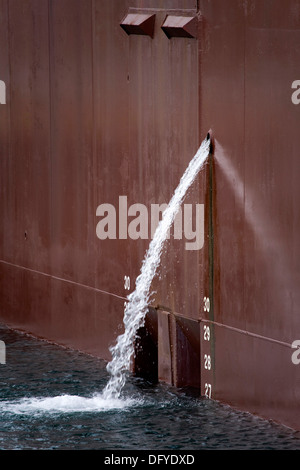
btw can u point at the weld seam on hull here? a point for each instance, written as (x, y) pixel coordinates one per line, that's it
(248, 333)
(164, 10)
(57, 278)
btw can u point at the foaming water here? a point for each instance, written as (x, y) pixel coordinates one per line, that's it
(138, 300)
(67, 404)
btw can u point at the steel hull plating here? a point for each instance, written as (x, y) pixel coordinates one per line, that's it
(109, 99)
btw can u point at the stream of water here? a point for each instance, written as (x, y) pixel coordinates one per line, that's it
(138, 300)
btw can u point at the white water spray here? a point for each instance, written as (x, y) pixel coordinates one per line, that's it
(138, 301)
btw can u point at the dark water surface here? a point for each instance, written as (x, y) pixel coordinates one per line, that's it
(50, 398)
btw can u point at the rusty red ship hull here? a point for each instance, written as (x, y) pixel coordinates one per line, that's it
(113, 98)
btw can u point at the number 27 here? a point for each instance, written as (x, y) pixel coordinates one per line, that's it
(208, 390)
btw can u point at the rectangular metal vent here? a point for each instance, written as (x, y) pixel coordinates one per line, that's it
(180, 26)
(139, 23)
